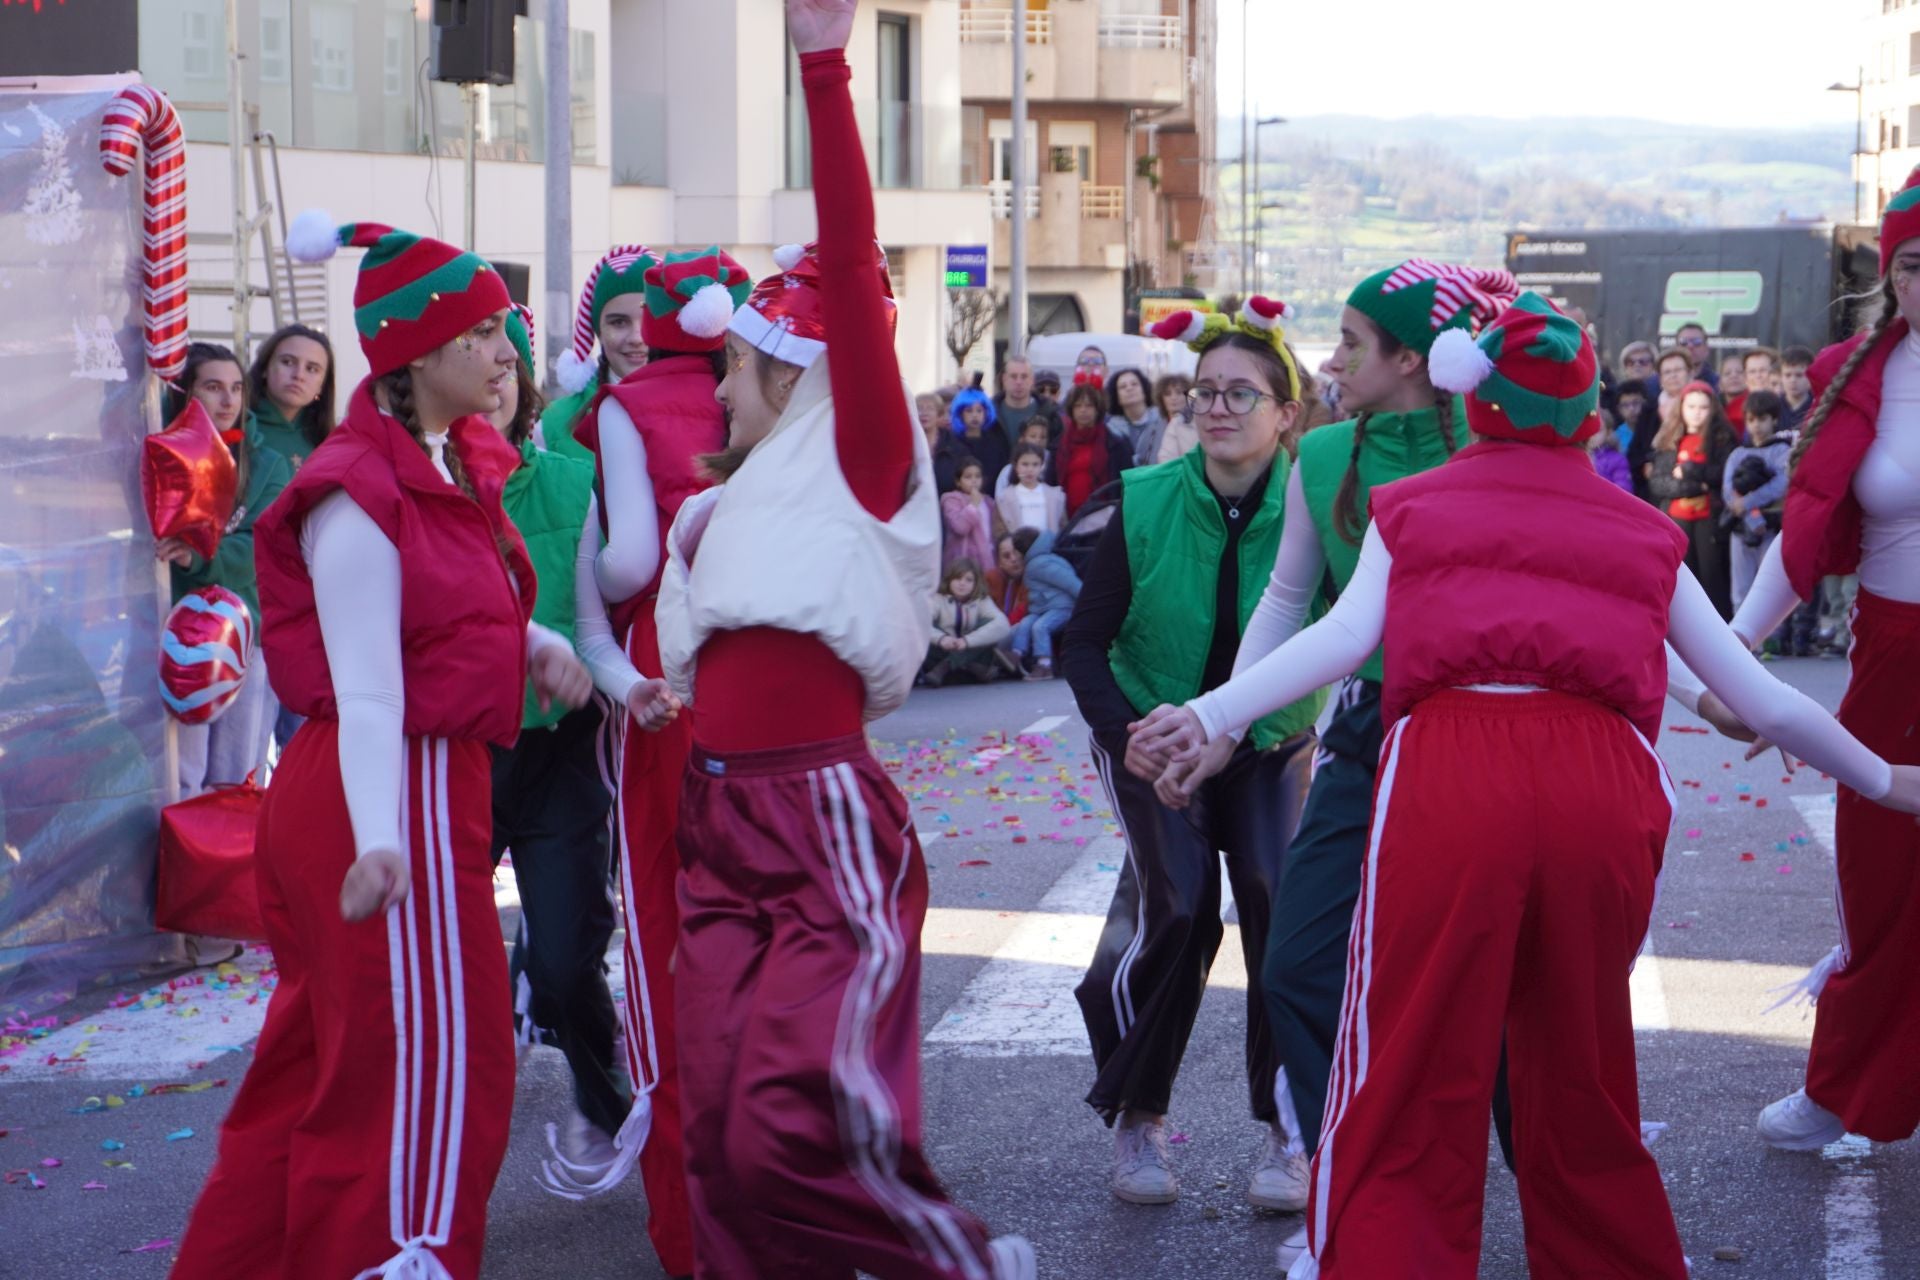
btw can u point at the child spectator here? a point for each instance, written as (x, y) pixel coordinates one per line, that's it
(972, 422)
(1027, 503)
(1053, 588)
(1608, 457)
(1037, 434)
(966, 627)
(1181, 436)
(1090, 455)
(1635, 422)
(1689, 466)
(1755, 488)
(1007, 580)
(1796, 390)
(971, 522)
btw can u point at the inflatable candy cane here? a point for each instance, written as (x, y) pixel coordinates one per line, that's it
(140, 114)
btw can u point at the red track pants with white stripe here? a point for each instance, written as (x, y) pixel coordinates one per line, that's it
(1510, 874)
(374, 1118)
(652, 768)
(1865, 1065)
(799, 987)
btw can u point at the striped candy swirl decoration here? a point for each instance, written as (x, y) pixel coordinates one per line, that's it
(1487, 292)
(140, 114)
(203, 654)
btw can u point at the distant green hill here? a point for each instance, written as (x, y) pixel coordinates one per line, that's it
(1346, 195)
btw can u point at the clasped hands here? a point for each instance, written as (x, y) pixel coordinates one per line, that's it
(1170, 749)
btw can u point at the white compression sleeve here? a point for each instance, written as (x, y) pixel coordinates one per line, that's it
(356, 590)
(1683, 686)
(1331, 648)
(632, 554)
(1775, 711)
(1297, 570)
(1769, 600)
(593, 639)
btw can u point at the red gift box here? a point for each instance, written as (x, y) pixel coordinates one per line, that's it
(187, 480)
(207, 883)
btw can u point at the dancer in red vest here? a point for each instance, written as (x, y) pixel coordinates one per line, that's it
(794, 609)
(646, 433)
(396, 599)
(1518, 827)
(1853, 507)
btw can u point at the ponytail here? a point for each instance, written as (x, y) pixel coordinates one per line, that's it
(1889, 309)
(398, 386)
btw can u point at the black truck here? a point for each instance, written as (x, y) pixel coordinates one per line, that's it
(1748, 286)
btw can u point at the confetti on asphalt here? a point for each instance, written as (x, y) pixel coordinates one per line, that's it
(179, 1135)
(151, 1246)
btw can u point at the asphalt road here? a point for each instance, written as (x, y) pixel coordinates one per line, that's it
(1016, 905)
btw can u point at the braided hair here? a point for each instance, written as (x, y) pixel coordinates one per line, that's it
(1882, 321)
(1347, 521)
(398, 386)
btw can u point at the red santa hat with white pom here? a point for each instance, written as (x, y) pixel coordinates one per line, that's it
(1258, 317)
(785, 315)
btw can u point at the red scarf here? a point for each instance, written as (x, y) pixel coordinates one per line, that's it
(1083, 462)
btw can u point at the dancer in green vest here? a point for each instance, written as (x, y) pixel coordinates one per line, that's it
(612, 302)
(551, 797)
(1403, 426)
(1175, 576)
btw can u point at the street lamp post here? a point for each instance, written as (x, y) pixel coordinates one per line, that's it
(1260, 205)
(1246, 262)
(1857, 89)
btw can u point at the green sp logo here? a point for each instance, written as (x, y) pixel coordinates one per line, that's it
(1708, 298)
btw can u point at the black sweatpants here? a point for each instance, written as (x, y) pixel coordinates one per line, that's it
(1142, 993)
(550, 806)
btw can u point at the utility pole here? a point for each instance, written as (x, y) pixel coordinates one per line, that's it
(557, 313)
(1017, 149)
(1246, 252)
(1260, 205)
(1858, 90)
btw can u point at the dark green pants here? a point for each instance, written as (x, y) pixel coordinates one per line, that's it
(1305, 973)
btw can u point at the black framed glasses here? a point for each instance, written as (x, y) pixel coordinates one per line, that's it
(1240, 400)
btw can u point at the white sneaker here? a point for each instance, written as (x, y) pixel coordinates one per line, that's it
(1291, 1250)
(1012, 1258)
(1142, 1169)
(1281, 1178)
(584, 1145)
(1798, 1123)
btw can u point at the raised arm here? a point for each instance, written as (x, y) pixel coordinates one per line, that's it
(631, 556)
(873, 428)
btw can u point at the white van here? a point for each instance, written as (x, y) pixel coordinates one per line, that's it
(1155, 357)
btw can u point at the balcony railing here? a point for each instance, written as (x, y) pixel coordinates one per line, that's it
(1140, 31)
(995, 26)
(1102, 202)
(1000, 196)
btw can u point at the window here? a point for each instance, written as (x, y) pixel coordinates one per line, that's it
(893, 143)
(799, 141)
(330, 32)
(1000, 132)
(1913, 54)
(197, 34)
(1913, 127)
(1070, 148)
(275, 61)
(393, 55)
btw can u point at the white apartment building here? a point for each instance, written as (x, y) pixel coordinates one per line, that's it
(688, 130)
(1889, 101)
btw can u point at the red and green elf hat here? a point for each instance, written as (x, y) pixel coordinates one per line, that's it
(413, 295)
(520, 330)
(1901, 222)
(1420, 299)
(690, 299)
(1531, 375)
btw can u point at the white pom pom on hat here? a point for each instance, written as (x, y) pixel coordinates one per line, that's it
(1265, 313)
(706, 313)
(313, 237)
(1457, 362)
(789, 256)
(573, 373)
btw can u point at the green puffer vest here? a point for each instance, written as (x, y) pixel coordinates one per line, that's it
(557, 421)
(546, 498)
(1397, 445)
(1175, 539)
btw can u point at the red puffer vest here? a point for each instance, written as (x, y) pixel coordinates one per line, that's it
(671, 403)
(1517, 564)
(463, 619)
(1820, 532)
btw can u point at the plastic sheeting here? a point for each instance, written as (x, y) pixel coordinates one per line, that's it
(83, 735)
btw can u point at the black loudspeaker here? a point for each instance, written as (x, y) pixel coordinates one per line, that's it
(473, 40)
(517, 276)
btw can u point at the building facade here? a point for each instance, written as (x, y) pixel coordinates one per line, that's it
(688, 129)
(1119, 147)
(1889, 89)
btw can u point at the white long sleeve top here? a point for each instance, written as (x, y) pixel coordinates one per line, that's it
(355, 570)
(1336, 645)
(631, 556)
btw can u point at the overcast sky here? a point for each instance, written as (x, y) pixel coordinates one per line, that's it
(1714, 62)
